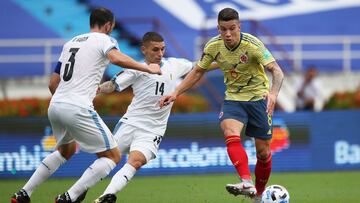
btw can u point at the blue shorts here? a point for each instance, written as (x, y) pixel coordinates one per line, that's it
(252, 114)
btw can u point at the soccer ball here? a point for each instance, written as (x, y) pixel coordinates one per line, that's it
(275, 194)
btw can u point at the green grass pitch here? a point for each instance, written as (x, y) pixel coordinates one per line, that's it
(309, 187)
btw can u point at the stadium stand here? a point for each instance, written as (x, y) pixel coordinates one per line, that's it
(30, 47)
(307, 39)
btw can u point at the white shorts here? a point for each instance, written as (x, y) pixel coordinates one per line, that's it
(130, 138)
(85, 126)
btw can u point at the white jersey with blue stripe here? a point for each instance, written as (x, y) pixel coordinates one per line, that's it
(83, 59)
(144, 111)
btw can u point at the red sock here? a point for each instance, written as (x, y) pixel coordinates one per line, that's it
(238, 156)
(262, 173)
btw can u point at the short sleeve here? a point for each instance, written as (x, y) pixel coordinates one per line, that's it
(124, 79)
(207, 57)
(264, 56)
(108, 44)
(183, 66)
(61, 57)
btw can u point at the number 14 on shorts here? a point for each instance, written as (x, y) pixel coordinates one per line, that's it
(157, 139)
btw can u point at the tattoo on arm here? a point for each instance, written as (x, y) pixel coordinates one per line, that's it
(277, 77)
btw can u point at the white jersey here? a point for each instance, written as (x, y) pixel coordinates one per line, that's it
(144, 111)
(84, 59)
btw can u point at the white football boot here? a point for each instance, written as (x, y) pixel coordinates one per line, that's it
(244, 188)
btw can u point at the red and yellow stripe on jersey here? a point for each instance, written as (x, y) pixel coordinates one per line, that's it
(243, 66)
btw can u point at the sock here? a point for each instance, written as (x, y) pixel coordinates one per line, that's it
(47, 167)
(262, 173)
(238, 156)
(93, 174)
(120, 179)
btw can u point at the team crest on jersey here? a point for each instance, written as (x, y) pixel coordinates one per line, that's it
(244, 58)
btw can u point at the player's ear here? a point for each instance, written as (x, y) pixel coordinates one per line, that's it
(108, 26)
(143, 49)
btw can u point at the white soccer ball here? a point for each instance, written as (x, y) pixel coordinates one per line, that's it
(275, 194)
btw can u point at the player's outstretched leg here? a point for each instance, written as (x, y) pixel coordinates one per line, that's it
(108, 198)
(20, 197)
(262, 173)
(93, 174)
(47, 167)
(239, 158)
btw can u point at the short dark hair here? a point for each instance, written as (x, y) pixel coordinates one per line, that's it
(228, 14)
(100, 16)
(152, 37)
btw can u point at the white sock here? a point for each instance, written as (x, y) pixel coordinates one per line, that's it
(120, 179)
(48, 166)
(93, 174)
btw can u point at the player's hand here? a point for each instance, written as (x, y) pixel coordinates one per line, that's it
(154, 68)
(271, 100)
(167, 99)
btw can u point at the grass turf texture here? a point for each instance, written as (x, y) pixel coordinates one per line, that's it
(332, 187)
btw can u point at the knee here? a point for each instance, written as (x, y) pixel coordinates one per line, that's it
(231, 127)
(116, 157)
(137, 159)
(263, 153)
(67, 150)
(137, 163)
(113, 154)
(230, 131)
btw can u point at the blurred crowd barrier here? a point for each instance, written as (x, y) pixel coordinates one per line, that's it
(193, 144)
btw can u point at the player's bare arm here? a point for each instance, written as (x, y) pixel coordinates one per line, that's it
(213, 66)
(277, 79)
(190, 80)
(120, 59)
(54, 82)
(106, 87)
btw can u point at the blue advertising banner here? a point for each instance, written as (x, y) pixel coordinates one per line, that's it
(338, 136)
(194, 144)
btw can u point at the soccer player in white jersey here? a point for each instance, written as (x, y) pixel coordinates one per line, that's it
(81, 66)
(142, 128)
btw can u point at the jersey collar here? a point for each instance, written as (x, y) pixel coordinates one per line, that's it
(241, 36)
(161, 63)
